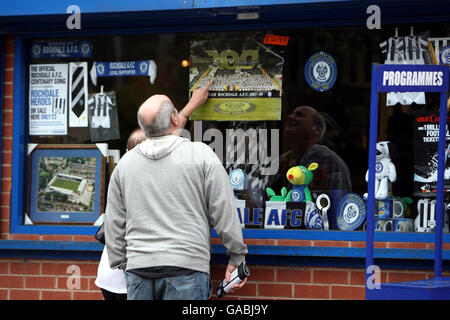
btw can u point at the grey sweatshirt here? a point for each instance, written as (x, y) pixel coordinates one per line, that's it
(163, 197)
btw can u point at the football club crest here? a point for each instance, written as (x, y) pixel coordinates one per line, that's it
(100, 69)
(36, 50)
(321, 71)
(234, 107)
(238, 179)
(378, 167)
(445, 55)
(351, 212)
(297, 196)
(143, 66)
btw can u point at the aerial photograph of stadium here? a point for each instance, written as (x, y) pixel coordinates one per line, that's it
(247, 79)
(66, 184)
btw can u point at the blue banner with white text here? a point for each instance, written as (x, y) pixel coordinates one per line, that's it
(412, 78)
(61, 49)
(123, 69)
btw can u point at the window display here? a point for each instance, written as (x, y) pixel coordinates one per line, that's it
(263, 118)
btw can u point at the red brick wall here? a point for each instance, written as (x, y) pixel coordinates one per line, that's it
(8, 86)
(292, 283)
(39, 279)
(31, 279)
(28, 279)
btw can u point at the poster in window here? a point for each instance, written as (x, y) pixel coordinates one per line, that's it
(426, 154)
(66, 183)
(48, 99)
(247, 79)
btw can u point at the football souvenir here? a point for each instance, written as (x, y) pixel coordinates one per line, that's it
(274, 197)
(384, 208)
(384, 171)
(313, 221)
(400, 207)
(351, 212)
(103, 116)
(238, 179)
(122, 69)
(321, 71)
(412, 49)
(426, 216)
(403, 225)
(445, 55)
(323, 203)
(383, 225)
(300, 177)
(78, 94)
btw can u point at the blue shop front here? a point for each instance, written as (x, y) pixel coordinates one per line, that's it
(285, 73)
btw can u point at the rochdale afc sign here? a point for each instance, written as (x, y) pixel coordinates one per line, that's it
(321, 71)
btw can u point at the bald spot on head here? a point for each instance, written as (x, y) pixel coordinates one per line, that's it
(149, 109)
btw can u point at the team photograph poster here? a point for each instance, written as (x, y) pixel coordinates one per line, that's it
(247, 79)
(48, 99)
(426, 153)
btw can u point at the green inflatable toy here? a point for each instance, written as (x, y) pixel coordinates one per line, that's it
(300, 177)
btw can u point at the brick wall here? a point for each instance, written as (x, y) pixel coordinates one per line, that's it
(293, 283)
(31, 279)
(28, 279)
(8, 88)
(38, 279)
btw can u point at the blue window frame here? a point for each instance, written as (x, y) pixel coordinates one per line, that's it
(20, 163)
(20, 138)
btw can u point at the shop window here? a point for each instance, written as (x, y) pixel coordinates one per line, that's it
(71, 96)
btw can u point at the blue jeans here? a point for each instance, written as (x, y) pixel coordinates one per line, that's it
(193, 286)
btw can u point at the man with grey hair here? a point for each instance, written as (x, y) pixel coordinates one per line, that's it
(163, 197)
(304, 130)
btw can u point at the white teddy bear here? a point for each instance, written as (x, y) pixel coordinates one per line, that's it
(384, 170)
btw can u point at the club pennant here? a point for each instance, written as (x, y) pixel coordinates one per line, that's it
(123, 69)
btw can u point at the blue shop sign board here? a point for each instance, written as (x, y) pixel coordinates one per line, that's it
(412, 78)
(61, 49)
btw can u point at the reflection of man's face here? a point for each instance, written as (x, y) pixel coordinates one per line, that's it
(300, 123)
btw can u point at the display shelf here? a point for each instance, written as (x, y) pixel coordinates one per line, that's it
(93, 249)
(437, 287)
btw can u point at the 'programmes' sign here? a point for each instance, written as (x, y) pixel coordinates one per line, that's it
(412, 78)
